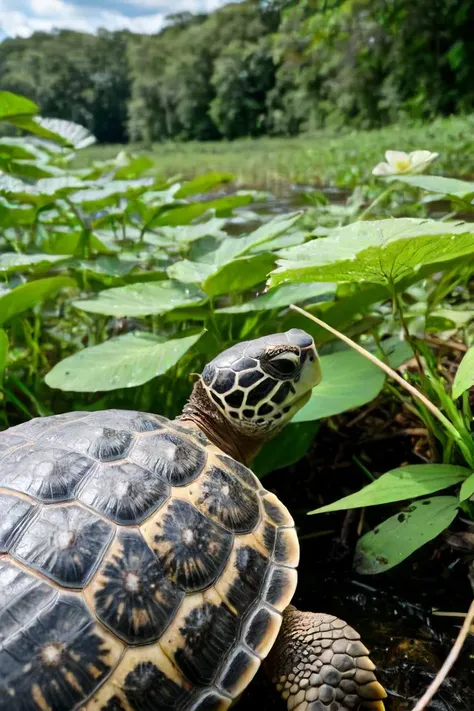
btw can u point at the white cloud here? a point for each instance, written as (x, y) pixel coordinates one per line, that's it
(23, 17)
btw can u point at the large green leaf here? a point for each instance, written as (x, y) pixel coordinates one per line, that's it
(185, 234)
(238, 246)
(401, 484)
(400, 535)
(13, 214)
(349, 380)
(239, 274)
(203, 183)
(26, 296)
(12, 261)
(67, 133)
(381, 251)
(185, 214)
(190, 272)
(467, 488)
(3, 354)
(465, 374)
(438, 184)
(283, 296)
(122, 362)
(143, 299)
(14, 105)
(286, 449)
(220, 264)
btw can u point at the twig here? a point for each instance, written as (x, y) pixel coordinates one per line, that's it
(450, 659)
(450, 344)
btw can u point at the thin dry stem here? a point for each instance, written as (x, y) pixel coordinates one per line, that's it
(450, 659)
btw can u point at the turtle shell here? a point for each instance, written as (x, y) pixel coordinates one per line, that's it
(140, 567)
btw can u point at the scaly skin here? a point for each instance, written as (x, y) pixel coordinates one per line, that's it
(319, 664)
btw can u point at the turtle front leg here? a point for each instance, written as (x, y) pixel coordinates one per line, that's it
(318, 663)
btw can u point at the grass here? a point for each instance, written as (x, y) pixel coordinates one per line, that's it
(325, 158)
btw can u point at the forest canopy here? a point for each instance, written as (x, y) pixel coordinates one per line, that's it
(253, 68)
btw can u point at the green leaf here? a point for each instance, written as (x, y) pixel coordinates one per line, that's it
(66, 132)
(238, 246)
(185, 234)
(349, 380)
(16, 148)
(203, 183)
(190, 272)
(143, 299)
(382, 251)
(400, 535)
(465, 374)
(467, 489)
(286, 449)
(185, 214)
(14, 105)
(284, 295)
(13, 214)
(438, 184)
(11, 261)
(220, 269)
(3, 354)
(401, 484)
(24, 297)
(239, 274)
(123, 362)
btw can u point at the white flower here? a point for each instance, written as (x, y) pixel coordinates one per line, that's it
(400, 163)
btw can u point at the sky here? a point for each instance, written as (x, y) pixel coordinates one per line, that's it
(23, 17)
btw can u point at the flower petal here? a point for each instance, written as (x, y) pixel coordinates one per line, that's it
(382, 169)
(394, 157)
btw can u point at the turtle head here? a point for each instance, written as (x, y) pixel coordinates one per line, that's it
(259, 385)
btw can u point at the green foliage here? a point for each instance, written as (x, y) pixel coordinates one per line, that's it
(381, 252)
(401, 484)
(465, 374)
(400, 535)
(123, 362)
(349, 381)
(248, 69)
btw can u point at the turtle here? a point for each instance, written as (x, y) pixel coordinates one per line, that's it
(143, 566)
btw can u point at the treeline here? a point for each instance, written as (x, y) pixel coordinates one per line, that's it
(253, 68)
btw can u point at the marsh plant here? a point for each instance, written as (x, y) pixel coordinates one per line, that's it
(116, 284)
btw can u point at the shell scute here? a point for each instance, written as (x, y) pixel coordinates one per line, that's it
(130, 592)
(14, 515)
(123, 491)
(22, 596)
(64, 543)
(200, 636)
(191, 549)
(224, 499)
(44, 472)
(58, 660)
(174, 458)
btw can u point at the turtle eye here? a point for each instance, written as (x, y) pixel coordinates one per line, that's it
(285, 364)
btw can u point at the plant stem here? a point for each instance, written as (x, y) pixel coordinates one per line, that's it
(376, 202)
(392, 373)
(448, 663)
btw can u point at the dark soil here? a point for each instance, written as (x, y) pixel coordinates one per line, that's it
(393, 611)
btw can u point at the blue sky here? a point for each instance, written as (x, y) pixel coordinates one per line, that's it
(22, 17)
